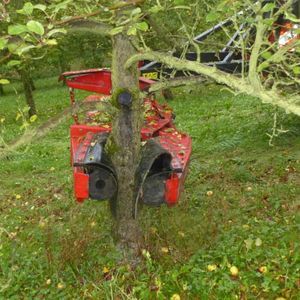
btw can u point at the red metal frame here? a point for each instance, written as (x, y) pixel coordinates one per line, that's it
(158, 123)
(95, 80)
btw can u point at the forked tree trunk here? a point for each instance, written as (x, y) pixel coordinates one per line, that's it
(126, 136)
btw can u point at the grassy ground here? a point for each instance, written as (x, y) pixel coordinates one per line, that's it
(239, 210)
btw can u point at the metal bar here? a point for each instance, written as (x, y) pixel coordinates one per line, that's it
(233, 38)
(149, 65)
(211, 30)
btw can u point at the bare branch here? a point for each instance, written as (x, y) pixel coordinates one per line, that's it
(89, 26)
(183, 64)
(259, 39)
(80, 17)
(36, 133)
(176, 82)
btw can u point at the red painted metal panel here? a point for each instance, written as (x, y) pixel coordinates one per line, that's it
(96, 80)
(172, 190)
(81, 185)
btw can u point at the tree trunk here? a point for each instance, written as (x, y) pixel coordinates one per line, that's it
(32, 85)
(63, 63)
(26, 80)
(1, 90)
(126, 137)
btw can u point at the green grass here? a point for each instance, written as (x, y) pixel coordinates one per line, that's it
(53, 248)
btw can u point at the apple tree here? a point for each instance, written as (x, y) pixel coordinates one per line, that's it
(271, 70)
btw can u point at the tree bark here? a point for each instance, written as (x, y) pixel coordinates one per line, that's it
(64, 65)
(27, 85)
(32, 85)
(1, 90)
(126, 137)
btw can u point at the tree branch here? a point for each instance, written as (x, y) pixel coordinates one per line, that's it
(89, 26)
(289, 104)
(98, 12)
(37, 133)
(183, 64)
(253, 62)
(176, 82)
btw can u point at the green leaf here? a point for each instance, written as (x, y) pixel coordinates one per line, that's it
(155, 9)
(132, 30)
(212, 16)
(18, 116)
(25, 109)
(178, 2)
(4, 81)
(26, 10)
(17, 29)
(3, 43)
(36, 27)
(13, 63)
(55, 31)
(268, 22)
(22, 50)
(268, 7)
(248, 242)
(249, 20)
(12, 47)
(136, 11)
(51, 42)
(142, 26)
(182, 7)
(40, 7)
(63, 5)
(258, 242)
(263, 66)
(116, 30)
(33, 118)
(24, 126)
(267, 55)
(296, 70)
(291, 17)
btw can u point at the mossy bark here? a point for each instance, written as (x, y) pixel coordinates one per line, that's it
(126, 136)
(248, 85)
